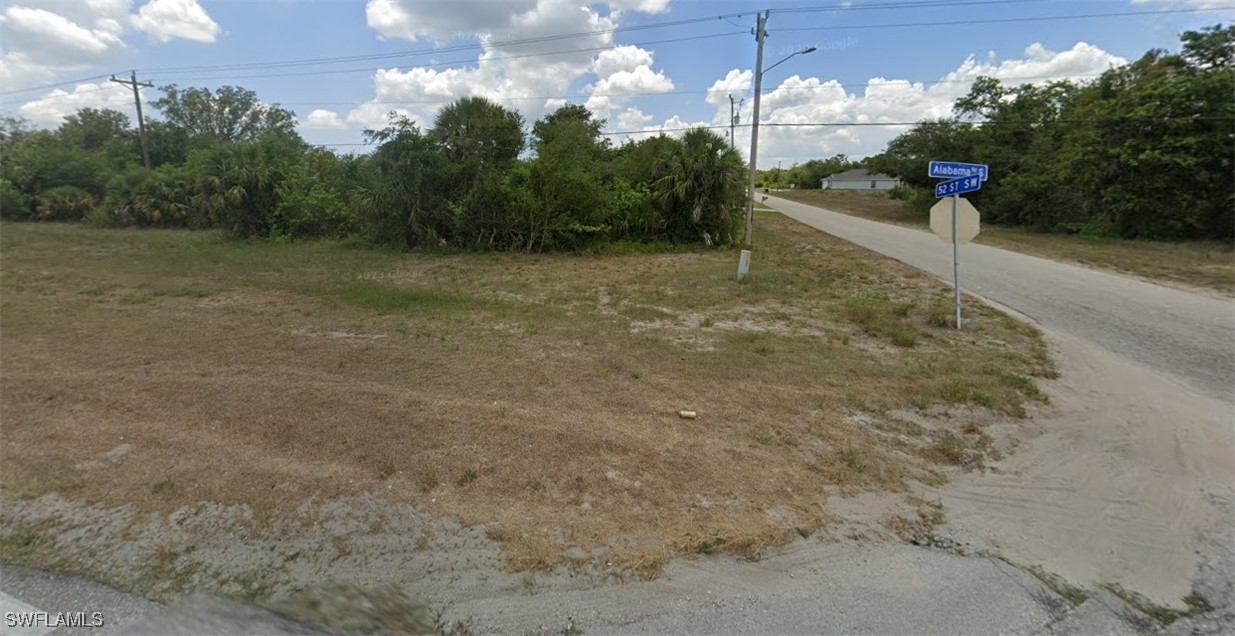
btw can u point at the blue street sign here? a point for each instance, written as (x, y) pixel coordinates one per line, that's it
(958, 186)
(954, 169)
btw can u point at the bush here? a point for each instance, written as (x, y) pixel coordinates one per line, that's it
(310, 208)
(14, 204)
(63, 203)
(163, 197)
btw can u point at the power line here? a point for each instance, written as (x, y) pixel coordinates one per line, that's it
(563, 36)
(55, 84)
(1090, 120)
(825, 85)
(60, 96)
(455, 62)
(920, 4)
(870, 124)
(704, 91)
(438, 51)
(939, 24)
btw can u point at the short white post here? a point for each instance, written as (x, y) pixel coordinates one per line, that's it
(744, 265)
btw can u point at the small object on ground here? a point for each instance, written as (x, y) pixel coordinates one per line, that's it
(687, 414)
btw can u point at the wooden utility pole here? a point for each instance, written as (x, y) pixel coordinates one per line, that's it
(761, 33)
(137, 99)
(733, 119)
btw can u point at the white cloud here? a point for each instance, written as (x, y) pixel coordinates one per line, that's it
(52, 108)
(440, 19)
(521, 76)
(44, 37)
(514, 68)
(620, 58)
(165, 20)
(632, 119)
(623, 71)
(1207, 5)
(645, 6)
(734, 83)
(800, 100)
(322, 119)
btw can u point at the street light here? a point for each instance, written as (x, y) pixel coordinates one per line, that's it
(760, 35)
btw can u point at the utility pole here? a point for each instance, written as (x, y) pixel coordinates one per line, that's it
(734, 116)
(137, 99)
(761, 34)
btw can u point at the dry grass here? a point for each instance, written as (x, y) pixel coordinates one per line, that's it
(536, 395)
(1207, 265)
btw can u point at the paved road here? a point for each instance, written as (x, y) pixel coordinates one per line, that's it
(1188, 335)
(810, 587)
(37, 603)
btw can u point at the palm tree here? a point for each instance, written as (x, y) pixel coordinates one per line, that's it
(702, 188)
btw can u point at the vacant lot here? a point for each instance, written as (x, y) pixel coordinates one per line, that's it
(1196, 264)
(537, 395)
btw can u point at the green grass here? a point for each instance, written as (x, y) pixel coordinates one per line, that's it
(388, 298)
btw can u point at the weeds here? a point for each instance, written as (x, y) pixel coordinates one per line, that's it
(1164, 615)
(570, 408)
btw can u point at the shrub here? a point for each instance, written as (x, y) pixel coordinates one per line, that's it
(14, 204)
(63, 203)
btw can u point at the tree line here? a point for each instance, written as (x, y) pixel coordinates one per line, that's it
(1145, 151)
(225, 160)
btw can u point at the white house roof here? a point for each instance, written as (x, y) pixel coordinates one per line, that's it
(860, 174)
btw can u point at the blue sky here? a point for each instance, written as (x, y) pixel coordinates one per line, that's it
(866, 67)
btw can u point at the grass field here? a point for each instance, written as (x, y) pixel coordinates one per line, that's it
(534, 394)
(1206, 265)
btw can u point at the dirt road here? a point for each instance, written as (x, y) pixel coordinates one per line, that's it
(1127, 477)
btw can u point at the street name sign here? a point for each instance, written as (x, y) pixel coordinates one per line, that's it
(955, 169)
(968, 221)
(958, 186)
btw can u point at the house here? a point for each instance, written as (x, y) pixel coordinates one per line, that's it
(859, 179)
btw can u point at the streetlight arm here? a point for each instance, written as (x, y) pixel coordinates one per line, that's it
(803, 51)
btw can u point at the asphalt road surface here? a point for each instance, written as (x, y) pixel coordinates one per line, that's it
(1189, 335)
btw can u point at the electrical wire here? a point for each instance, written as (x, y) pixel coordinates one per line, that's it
(556, 37)
(964, 23)
(919, 4)
(457, 62)
(826, 85)
(1094, 120)
(438, 51)
(55, 84)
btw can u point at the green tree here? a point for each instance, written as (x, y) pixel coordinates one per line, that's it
(479, 135)
(480, 141)
(702, 190)
(237, 184)
(1212, 47)
(405, 205)
(230, 113)
(101, 129)
(567, 177)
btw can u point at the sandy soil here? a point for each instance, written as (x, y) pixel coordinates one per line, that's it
(1125, 478)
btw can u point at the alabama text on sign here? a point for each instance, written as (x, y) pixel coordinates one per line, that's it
(954, 169)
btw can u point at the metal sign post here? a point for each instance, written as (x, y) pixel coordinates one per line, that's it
(956, 263)
(962, 177)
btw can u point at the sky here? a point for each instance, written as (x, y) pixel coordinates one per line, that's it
(642, 65)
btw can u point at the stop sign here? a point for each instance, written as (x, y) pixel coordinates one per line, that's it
(967, 220)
